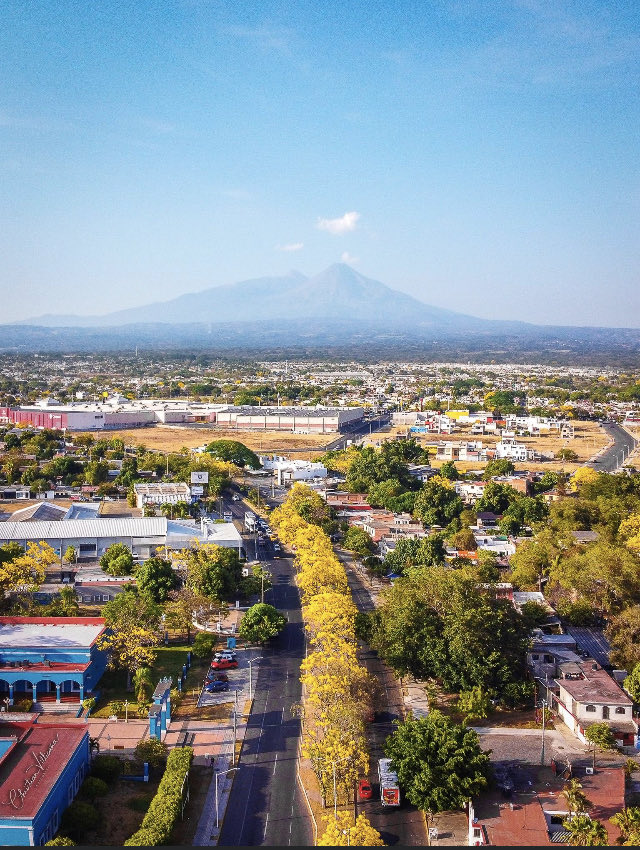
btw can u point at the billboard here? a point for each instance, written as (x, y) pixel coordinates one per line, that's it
(197, 490)
(199, 477)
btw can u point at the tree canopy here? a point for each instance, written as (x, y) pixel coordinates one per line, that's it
(439, 764)
(261, 623)
(234, 452)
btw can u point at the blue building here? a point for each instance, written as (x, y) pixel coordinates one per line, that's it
(42, 766)
(50, 660)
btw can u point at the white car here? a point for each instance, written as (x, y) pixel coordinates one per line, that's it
(235, 498)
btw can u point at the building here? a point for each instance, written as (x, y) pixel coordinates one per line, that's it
(42, 766)
(161, 493)
(50, 659)
(143, 535)
(584, 694)
(287, 470)
(306, 420)
(533, 816)
(509, 448)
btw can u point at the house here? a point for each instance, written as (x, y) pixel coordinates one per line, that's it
(509, 448)
(584, 694)
(532, 815)
(42, 766)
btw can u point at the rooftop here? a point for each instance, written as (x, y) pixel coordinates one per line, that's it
(89, 528)
(34, 762)
(594, 686)
(58, 632)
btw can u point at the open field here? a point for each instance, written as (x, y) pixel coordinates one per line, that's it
(588, 439)
(172, 438)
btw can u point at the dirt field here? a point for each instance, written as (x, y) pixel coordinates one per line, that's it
(589, 438)
(171, 438)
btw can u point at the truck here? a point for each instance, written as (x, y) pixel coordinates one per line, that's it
(250, 520)
(389, 788)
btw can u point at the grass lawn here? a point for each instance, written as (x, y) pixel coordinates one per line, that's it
(168, 662)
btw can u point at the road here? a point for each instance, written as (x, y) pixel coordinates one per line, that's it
(613, 458)
(266, 805)
(366, 427)
(404, 825)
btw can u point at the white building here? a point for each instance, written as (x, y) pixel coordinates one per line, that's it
(161, 493)
(509, 448)
(307, 420)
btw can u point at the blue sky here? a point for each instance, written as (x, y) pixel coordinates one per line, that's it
(481, 156)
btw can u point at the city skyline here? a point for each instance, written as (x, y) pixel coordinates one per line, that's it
(479, 157)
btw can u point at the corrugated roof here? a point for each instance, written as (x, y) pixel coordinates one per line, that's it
(107, 527)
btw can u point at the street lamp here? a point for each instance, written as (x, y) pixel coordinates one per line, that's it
(259, 658)
(544, 704)
(217, 774)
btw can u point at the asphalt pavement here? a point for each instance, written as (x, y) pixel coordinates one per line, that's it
(266, 806)
(613, 457)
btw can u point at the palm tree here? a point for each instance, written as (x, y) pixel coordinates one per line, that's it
(628, 822)
(142, 684)
(68, 602)
(576, 799)
(585, 832)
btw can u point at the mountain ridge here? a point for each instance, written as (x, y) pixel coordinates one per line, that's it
(336, 292)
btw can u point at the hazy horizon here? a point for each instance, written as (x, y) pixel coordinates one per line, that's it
(481, 157)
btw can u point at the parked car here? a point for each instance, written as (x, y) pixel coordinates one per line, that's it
(215, 686)
(365, 791)
(224, 664)
(225, 653)
(213, 676)
(235, 498)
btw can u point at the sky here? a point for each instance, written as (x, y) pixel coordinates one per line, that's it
(483, 156)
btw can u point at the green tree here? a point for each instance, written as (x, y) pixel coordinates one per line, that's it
(575, 798)
(261, 623)
(79, 818)
(600, 735)
(357, 540)
(152, 751)
(156, 578)
(439, 764)
(628, 822)
(497, 498)
(70, 555)
(60, 841)
(117, 560)
(448, 470)
(212, 571)
(96, 472)
(437, 503)
(474, 704)
(632, 683)
(142, 684)
(204, 644)
(234, 452)
(92, 788)
(585, 832)
(567, 455)
(499, 466)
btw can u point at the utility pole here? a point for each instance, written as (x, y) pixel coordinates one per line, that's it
(544, 717)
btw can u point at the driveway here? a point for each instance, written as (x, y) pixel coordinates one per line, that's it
(238, 680)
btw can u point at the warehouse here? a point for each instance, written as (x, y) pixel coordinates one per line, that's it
(305, 420)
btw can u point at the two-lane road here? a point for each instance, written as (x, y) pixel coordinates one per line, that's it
(612, 458)
(266, 805)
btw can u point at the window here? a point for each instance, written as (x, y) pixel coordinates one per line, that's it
(70, 794)
(535, 656)
(590, 708)
(620, 709)
(105, 597)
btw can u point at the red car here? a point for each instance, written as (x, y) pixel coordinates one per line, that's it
(223, 664)
(365, 791)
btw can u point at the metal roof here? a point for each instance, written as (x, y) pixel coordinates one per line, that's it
(67, 529)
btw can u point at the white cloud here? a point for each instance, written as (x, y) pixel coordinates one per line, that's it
(337, 226)
(347, 258)
(292, 246)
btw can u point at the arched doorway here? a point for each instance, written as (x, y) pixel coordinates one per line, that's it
(71, 690)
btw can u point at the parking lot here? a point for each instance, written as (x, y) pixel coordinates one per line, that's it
(238, 680)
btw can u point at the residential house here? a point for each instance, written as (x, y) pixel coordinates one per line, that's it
(584, 694)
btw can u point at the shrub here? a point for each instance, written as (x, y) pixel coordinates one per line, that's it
(166, 805)
(23, 705)
(152, 750)
(204, 644)
(92, 788)
(60, 841)
(80, 817)
(89, 704)
(107, 768)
